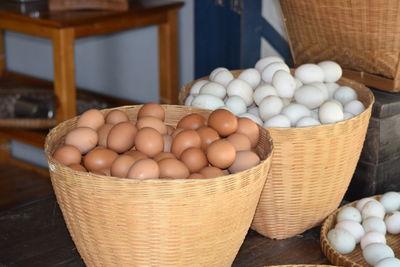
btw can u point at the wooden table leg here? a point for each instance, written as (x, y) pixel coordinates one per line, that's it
(168, 59)
(2, 53)
(64, 73)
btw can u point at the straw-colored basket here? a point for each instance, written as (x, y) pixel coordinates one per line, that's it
(355, 258)
(311, 170)
(157, 222)
(363, 36)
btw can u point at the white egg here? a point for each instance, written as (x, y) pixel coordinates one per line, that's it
(254, 110)
(295, 111)
(375, 252)
(332, 71)
(298, 83)
(284, 83)
(252, 117)
(374, 224)
(392, 221)
(309, 73)
(236, 105)
(189, 99)
(207, 102)
(263, 62)
(278, 121)
(345, 94)
(215, 71)
(354, 106)
(353, 228)
(323, 88)
(270, 70)
(213, 88)
(332, 87)
(307, 121)
(330, 112)
(347, 116)
(372, 237)
(388, 262)
(349, 213)
(390, 201)
(341, 240)
(373, 208)
(251, 76)
(360, 203)
(270, 106)
(309, 96)
(223, 77)
(195, 89)
(263, 91)
(240, 88)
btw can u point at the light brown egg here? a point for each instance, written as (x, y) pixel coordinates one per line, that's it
(121, 137)
(103, 132)
(196, 175)
(77, 167)
(121, 165)
(184, 140)
(116, 116)
(244, 160)
(83, 138)
(239, 141)
(153, 110)
(194, 158)
(192, 121)
(221, 153)
(173, 168)
(99, 159)
(151, 122)
(149, 141)
(167, 142)
(211, 172)
(164, 155)
(249, 128)
(91, 118)
(207, 136)
(67, 155)
(223, 121)
(144, 169)
(136, 154)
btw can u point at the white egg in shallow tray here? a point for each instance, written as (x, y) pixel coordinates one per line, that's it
(307, 97)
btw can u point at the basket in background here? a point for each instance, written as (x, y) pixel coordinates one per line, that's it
(311, 169)
(157, 222)
(363, 36)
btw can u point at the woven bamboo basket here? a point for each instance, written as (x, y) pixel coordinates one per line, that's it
(311, 170)
(157, 222)
(363, 36)
(355, 258)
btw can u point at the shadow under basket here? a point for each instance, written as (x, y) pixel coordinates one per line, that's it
(157, 222)
(311, 170)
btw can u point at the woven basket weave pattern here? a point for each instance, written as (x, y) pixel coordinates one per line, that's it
(180, 222)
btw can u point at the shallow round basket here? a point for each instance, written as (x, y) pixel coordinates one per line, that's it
(355, 258)
(311, 170)
(157, 222)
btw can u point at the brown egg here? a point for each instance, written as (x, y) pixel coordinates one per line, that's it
(207, 136)
(103, 132)
(239, 141)
(67, 155)
(116, 116)
(122, 137)
(144, 169)
(211, 172)
(244, 160)
(121, 165)
(184, 140)
(77, 167)
(83, 138)
(153, 110)
(192, 121)
(164, 155)
(194, 158)
(221, 153)
(149, 141)
(99, 159)
(249, 128)
(91, 118)
(177, 130)
(167, 142)
(170, 129)
(173, 168)
(223, 121)
(196, 175)
(136, 154)
(151, 122)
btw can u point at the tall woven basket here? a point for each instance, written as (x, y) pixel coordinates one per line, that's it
(311, 170)
(363, 36)
(157, 222)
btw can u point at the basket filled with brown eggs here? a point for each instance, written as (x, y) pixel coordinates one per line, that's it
(155, 185)
(318, 121)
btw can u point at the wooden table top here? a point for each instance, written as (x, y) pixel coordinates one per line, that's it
(35, 235)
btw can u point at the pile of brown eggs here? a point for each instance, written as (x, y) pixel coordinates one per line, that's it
(147, 148)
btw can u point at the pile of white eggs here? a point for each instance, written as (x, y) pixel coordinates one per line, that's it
(367, 224)
(271, 96)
